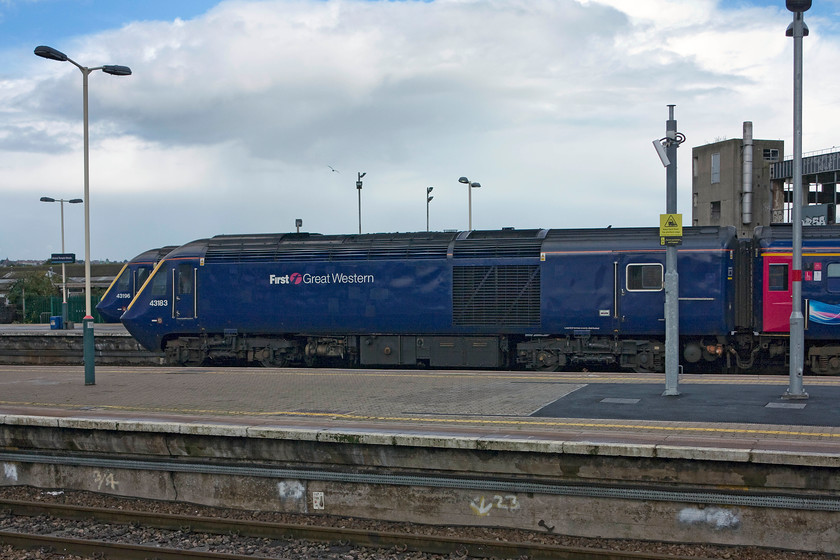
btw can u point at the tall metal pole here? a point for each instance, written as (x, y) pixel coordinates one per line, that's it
(797, 321)
(672, 282)
(470, 186)
(469, 199)
(63, 272)
(429, 198)
(87, 323)
(359, 188)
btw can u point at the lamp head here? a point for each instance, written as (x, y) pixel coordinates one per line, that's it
(75, 200)
(798, 5)
(47, 199)
(464, 180)
(429, 189)
(49, 52)
(475, 185)
(117, 70)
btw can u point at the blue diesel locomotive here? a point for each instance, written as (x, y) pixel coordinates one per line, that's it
(536, 299)
(130, 279)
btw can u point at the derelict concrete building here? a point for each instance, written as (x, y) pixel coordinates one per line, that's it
(744, 182)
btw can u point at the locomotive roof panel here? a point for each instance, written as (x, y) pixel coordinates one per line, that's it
(627, 239)
(378, 246)
(153, 255)
(781, 236)
(504, 243)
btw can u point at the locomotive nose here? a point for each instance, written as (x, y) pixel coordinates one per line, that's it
(141, 327)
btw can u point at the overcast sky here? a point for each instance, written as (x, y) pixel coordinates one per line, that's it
(236, 112)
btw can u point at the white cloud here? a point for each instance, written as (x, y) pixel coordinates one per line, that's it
(230, 119)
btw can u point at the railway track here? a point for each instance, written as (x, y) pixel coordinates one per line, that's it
(139, 535)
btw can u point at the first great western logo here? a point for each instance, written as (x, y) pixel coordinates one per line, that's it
(296, 278)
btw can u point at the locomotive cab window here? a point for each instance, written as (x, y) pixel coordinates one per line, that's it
(644, 277)
(142, 276)
(833, 277)
(159, 285)
(124, 282)
(777, 280)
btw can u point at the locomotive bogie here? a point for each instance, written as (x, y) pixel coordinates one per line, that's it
(824, 360)
(551, 354)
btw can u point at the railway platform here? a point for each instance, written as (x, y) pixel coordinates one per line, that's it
(727, 461)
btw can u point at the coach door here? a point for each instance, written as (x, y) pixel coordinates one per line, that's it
(642, 298)
(184, 284)
(778, 293)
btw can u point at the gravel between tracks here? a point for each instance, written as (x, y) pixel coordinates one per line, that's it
(310, 550)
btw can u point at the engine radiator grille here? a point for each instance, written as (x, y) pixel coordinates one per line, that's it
(496, 295)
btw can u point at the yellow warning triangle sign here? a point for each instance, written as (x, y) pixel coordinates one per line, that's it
(670, 225)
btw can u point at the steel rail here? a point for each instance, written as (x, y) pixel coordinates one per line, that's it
(401, 542)
(725, 498)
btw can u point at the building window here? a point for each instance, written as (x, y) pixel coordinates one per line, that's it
(715, 168)
(771, 154)
(714, 213)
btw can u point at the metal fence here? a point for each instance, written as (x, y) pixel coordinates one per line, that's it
(39, 309)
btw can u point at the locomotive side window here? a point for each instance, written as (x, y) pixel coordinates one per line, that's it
(644, 277)
(185, 279)
(833, 276)
(777, 280)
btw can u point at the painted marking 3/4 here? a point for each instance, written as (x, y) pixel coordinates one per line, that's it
(482, 507)
(105, 479)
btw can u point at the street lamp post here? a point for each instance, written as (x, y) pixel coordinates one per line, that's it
(88, 340)
(797, 30)
(359, 188)
(470, 187)
(429, 198)
(63, 272)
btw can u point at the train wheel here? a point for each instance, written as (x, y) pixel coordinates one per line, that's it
(278, 361)
(648, 362)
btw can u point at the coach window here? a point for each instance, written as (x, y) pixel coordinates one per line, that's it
(644, 277)
(833, 277)
(777, 280)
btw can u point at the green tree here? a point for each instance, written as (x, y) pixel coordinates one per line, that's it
(31, 284)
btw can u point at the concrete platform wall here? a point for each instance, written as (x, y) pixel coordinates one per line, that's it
(594, 490)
